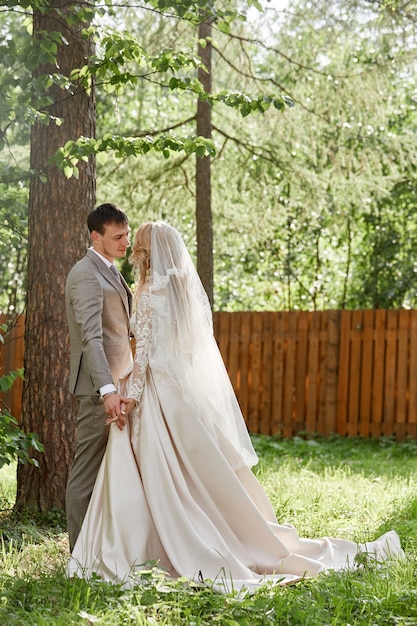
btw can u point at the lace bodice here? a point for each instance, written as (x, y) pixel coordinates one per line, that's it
(141, 326)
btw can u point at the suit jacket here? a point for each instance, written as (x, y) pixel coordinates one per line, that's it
(98, 313)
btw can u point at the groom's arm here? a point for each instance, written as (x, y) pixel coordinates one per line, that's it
(86, 296)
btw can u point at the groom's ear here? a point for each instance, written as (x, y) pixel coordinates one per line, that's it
(95, 236)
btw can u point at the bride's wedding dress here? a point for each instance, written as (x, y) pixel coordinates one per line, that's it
(175, 486)
(167, 491)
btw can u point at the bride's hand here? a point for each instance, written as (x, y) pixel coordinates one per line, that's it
(126, 406)
(130, 405)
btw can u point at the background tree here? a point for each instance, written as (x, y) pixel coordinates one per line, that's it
(58, 207)
(174, 69)
(204, 220)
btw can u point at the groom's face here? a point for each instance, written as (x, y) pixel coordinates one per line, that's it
(114, 243)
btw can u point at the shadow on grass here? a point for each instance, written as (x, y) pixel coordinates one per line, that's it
(25, 527)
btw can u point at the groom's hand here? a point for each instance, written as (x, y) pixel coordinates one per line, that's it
(115, 406)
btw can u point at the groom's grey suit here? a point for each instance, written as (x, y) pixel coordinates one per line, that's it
(98, 313)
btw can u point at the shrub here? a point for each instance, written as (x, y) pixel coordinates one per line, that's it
(15, 444)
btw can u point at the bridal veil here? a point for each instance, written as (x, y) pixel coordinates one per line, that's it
(183, 347)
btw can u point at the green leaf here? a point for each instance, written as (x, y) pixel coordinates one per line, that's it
(174, 82)
(200, 151)
(224, 27)
(68, 171)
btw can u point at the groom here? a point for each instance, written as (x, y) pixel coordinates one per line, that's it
(98, 304)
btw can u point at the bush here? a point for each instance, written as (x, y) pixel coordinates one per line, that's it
(15, 444)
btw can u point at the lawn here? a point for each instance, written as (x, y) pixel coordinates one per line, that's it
(351, 488)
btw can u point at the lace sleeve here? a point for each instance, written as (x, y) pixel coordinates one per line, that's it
(142, 329)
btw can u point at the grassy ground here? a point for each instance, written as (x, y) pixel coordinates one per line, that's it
(350, 488)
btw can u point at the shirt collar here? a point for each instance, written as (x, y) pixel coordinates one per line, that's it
(106, 261)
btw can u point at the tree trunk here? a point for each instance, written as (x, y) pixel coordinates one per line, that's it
(203, 182)
(57, 238)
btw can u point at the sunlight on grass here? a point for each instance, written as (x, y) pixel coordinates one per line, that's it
(335, 501)
(352, 489)
(322, 494)
(7, 486)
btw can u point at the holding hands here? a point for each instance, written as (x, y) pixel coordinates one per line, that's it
(117, 408)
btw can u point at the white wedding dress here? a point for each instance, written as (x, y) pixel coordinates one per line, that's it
(170, 489)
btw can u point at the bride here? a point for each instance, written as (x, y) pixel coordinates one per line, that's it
(175, 485)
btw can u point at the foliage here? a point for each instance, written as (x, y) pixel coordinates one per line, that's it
(311, 481)
(69, 155)
(15, 117)
(13, 240)
(15, 444)
(122, 63)
(314, 208)
(329, 181)
(314, 205)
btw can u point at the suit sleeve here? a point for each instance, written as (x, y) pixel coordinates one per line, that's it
(86, 296)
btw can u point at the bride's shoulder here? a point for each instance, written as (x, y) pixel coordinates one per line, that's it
(142, 297)
(143, 292)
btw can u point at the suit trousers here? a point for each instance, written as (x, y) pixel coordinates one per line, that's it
(91, 445)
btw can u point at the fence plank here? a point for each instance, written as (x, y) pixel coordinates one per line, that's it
(266, 374)
(390, 363)
(322, 370)
(245, 378)
(412, 409)
(255, 372)
(278, 360)
(222, 334)
(300, 371)
(343, 381)
(366, 372)
(232, 337)
(354, 373)
(312, 374)
(402, 373)
(289, 375)
(330, 382)
(11, 359)
(378, 380)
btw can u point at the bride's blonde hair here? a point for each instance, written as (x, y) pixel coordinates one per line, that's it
(141, 252)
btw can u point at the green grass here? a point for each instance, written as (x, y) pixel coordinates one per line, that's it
(350, 488)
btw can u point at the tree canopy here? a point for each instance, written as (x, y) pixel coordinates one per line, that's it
(313, 208)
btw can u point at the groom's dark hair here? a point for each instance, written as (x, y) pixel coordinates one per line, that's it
(103, 215)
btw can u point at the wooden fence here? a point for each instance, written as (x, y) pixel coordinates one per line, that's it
(345, 372)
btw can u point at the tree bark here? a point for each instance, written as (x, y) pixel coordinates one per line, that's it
(203, 182)
(58, 237)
